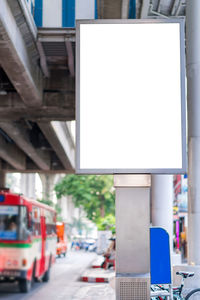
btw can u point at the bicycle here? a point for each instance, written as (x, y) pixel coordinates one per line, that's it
(159, 292)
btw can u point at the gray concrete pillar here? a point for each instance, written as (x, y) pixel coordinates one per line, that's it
(132, 236)
(162, 203)
(193, 92)
(2, 179)
(48, 181)
(28, 185)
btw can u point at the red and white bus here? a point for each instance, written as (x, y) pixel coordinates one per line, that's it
(27, 239)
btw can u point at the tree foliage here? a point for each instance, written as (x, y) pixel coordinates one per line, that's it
(94, 193)
(107, 223)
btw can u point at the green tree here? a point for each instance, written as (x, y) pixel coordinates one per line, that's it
(107, 223)
(94, 193)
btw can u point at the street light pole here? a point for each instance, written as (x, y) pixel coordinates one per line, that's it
(193, 90)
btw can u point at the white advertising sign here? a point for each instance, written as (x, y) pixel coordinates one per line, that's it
(130, 97)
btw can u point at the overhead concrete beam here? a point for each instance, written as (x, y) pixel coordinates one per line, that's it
(9, 169)
(60, 140)
(14, 59)
(59, 80)
(20, 137)
(27, 15)
(12, 154)
(56, 106)
(62, 131)
(32, 168)
(56, 35)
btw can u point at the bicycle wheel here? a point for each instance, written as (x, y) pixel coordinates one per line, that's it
(193, 295)
(177, 297)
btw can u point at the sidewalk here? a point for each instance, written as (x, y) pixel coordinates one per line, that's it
(98, 283)
(95, 291)
(65, 283)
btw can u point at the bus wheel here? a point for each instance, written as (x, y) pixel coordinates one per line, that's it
(34, 278)
(24, 285)
(46, 276)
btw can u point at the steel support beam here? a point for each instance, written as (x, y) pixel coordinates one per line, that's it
(14, 58)
(19, 136)
(70, 58)
(56, 35)
(43, 61)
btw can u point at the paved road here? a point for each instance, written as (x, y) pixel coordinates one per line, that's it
(64, 283)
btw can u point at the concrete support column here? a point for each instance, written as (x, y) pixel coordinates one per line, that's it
(132, 240)
(193, 92)
(162, 203)
(48, 181)
(2, 179)
(28, 185)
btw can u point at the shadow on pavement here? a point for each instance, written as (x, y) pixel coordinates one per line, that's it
(11, 290)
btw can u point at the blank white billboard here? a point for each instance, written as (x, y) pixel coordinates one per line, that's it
(130, 97)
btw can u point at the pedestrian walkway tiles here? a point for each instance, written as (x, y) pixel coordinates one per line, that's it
(99, 291)
(98, 262)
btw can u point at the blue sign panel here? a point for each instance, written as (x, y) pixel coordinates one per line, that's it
(160, 256)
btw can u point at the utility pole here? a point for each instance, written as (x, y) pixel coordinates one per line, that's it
(193, 91)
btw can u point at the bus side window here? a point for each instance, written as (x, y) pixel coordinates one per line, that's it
(50, 225)
(36, 228)
(23, 232)
(36, 221)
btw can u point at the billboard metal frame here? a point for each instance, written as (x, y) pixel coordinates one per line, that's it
(79, 170)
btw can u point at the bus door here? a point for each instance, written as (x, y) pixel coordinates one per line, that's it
(44, 236)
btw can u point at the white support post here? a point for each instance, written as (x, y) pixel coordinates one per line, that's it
(162, 203)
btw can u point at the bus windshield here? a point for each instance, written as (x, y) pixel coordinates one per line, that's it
(13, 222)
